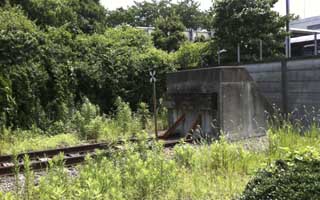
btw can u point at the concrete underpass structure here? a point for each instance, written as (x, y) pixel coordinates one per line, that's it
(220, 98)
(234, 100)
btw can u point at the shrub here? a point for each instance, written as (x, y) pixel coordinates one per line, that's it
(94, 128)
(143, 114)
(190, 55)
(297, 177)
(84, 116)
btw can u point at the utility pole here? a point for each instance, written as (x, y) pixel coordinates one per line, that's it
(153, 80)
(288, 43)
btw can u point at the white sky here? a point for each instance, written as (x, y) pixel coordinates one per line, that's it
(303, 8)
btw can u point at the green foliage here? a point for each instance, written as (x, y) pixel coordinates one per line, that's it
(124, 114)
(78, 15)
(119, 59)
(138, 171)
(191, 55)
(129, 174)
(190, 14)
(162, 115)
(143, 114)
(296, 177)
(45, 75)
(168, 34)
(288, 136)
(22, 141)
(146, 13)
(87, 120)
(13, 19)
(120, 16)
(219, 157)
(245, 22)
(29, 179)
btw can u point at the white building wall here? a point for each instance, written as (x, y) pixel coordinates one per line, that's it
(306, 23)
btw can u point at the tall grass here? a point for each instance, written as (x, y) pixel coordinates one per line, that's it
(85, 124)
(22, 141)
(219, 170)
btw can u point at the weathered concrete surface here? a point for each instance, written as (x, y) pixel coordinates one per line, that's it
(235, 99)
(226, 98)
(292, 85)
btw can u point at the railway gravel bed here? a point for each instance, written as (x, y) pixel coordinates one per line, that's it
(7, 183)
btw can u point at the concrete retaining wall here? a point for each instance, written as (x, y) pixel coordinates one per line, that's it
(292, 85)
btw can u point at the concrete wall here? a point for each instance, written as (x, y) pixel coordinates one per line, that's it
(226, 95)
(242, 110)
(268, 80)
(293, 85)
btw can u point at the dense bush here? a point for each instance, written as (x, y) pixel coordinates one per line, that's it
(296, 177)
(86, 16)
(192, 55)
(45, 74)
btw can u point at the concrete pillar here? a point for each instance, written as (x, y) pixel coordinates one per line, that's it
(219, 59)
(260, 44)
(315, 44)
(284, 87)
(238, 54)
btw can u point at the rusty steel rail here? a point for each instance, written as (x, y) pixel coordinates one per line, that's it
(54, 152)
(72, 155)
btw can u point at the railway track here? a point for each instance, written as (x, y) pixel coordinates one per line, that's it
(72, 155)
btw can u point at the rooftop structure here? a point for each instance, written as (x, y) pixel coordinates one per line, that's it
(312, 23)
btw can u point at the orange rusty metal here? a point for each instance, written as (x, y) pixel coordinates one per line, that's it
(173, 127)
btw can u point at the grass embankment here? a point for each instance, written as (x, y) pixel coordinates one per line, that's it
(85, 124)
(219, 170)
(24, 141)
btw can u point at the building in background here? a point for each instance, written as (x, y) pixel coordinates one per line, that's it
(312, 23)
(305, 36)
(192, 35)
(305, 39)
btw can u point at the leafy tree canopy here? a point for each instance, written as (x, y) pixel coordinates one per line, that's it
(87, 16)
(246, 22)
(190, 14)
(45, 74)
(146, 13)
(168, 34)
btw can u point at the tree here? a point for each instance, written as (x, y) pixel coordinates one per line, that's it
(189, 13)
(146, 13)
(120, 16)
(19, 44)
(80, 15)
(46, 70)
(190, 54)
(142, 13)
(168, 34)
(245, 22)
